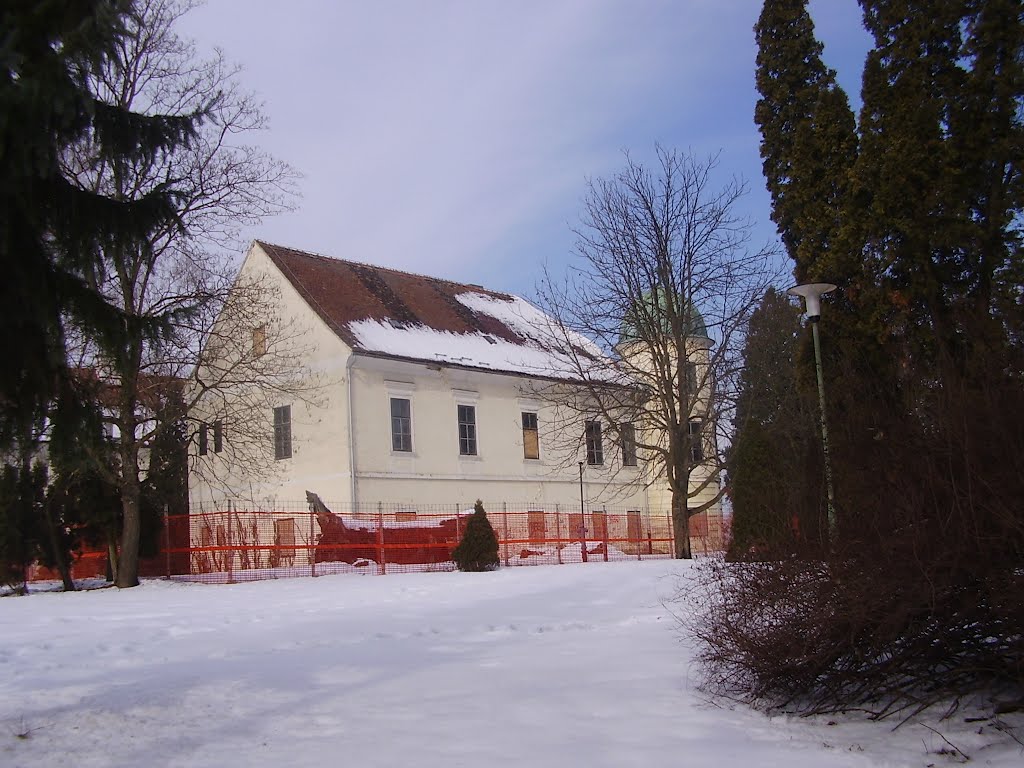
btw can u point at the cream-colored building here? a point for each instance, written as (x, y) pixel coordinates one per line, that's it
(426, 399)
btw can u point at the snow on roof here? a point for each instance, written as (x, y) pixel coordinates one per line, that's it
(477, 350)
(392, 313)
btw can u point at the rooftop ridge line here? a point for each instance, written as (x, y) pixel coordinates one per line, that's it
(324, 257)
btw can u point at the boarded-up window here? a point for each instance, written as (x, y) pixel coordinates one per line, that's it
(531, 438)
(218, 436)
(599, 525)
(577, 531)
(284, 540)
(535, 527)
(634, 530)
(259, 341)
(699, 524)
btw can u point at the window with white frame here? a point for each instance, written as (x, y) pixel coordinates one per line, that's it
(595, 450)
(401, 424)
(467, 430)
(283, 432)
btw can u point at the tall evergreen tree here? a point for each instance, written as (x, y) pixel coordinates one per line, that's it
(940, 169)
(54, 233)
(776, 438)
(929, 434)
(808, 140)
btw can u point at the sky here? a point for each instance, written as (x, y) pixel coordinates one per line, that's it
(456, 138)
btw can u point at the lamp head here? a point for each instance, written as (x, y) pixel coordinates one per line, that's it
(811, 293)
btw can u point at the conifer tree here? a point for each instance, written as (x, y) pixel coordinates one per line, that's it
(940, 172)
(478, 550)
(808, 141)
(927, 419)
(776, 438)
(54, 233)
(22, 534)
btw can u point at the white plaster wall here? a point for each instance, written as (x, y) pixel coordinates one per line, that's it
(320, 456)
(659, 494)
(435, 474)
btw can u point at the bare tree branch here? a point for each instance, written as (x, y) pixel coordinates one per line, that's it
(664, 285)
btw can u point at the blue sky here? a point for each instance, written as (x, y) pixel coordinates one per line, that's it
(456, 138)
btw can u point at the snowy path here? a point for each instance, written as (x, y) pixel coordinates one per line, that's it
(555, 666)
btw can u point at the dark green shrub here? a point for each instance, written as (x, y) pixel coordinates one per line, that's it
(478, 550)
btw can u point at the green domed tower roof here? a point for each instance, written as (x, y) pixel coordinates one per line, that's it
(696, 328)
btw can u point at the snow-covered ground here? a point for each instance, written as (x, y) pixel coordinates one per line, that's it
(576, 665)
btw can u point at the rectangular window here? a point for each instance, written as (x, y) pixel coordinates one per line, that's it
(531, 438)
(283, 432)
(691, 379)
(218, 436)
(467, 430)
(627, 437)
(401, 424)
(595, 451)
(204, 439)
(259, 341)
(696, 442)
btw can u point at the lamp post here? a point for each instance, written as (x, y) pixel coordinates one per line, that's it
(811, 294)
(583, 525)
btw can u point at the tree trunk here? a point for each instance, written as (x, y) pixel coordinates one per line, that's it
(128, 569)
(681, 526)
(57, 550)
(112, 556)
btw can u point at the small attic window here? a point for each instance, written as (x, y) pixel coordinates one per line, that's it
(259, 341)
(490, 339)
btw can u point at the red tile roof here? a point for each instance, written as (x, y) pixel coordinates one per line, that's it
(343, 292)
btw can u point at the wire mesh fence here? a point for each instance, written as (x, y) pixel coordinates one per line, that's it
(247, 543)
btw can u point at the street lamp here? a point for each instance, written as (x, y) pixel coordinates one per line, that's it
(583, 525)
(811, 294)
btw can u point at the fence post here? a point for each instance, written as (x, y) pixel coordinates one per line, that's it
(380, 538)
(230, 549)
(671, 534)
(558, 533)
(311, 549)
(605, 534)
(167, 539)
(458, 520)
(504, 524)
(650, 542)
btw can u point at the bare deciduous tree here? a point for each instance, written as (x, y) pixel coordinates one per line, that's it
(664, 285)
(181, 278)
